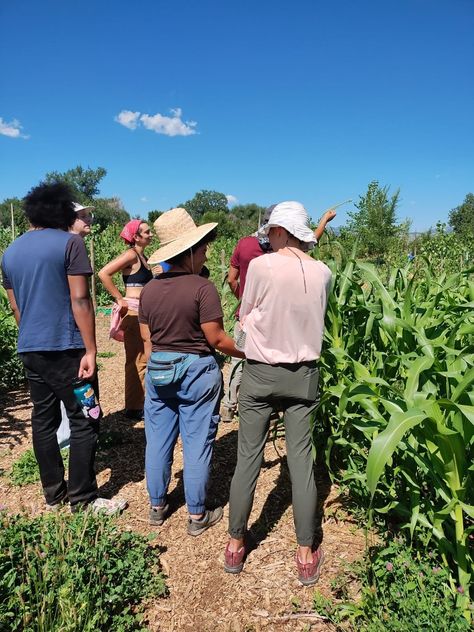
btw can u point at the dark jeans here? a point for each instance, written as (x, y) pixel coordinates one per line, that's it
(50, 374)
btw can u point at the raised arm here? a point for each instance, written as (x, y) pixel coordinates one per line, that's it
(325, 219)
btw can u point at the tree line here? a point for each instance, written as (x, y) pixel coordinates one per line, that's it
(373, 226)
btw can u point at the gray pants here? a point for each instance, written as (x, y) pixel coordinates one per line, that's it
(232, 384)
(292, 388)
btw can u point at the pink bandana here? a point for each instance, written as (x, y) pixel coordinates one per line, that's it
(130, 230)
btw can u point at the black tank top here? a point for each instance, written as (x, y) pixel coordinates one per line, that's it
(138, 278)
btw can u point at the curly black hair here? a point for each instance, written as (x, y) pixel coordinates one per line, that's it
(50, 206)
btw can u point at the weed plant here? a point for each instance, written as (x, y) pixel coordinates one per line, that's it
(11, 368)
(69, 572)
(25, 470)
(401, 589)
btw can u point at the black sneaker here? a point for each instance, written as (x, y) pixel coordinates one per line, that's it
(158, 515)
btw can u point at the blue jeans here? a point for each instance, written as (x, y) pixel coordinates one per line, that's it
(189, 407)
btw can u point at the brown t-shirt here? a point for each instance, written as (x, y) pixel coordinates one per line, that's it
(173, 306)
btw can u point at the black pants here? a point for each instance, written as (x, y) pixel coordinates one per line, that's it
(50, 374)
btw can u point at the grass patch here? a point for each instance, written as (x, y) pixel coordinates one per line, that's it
(26, 470)
(401, 589)
(106, 354)
(63, 572)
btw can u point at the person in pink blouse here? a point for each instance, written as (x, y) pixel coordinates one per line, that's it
(282, 314)
(247, 249)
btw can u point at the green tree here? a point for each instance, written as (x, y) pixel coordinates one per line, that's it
(249, 214)
(205, 201)
(19, 217)
(153, 216)
(227, 227)
(374, 224)
(461, 218)
(109, 211)
(85, 182)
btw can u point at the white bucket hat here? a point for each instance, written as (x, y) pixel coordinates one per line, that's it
(177, 233)
(79, 207)
(293, 217)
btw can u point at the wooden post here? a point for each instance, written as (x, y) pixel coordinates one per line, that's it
(93, 287)
(12, 221)
(223, 267)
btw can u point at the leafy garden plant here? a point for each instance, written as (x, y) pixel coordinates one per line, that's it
(63, 573)
(398, 402)
(401, 589)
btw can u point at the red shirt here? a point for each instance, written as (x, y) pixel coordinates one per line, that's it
(247, 249)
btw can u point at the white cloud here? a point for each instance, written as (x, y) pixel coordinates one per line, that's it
(12, 129)
(144, 199)
(231, 200)
(127, 118)
(168, 125)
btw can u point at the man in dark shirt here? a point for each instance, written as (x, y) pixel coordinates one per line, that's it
(45, 273)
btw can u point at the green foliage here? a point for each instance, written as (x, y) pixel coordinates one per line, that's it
(107, 246)
(11, 368)
(398, 382)
(227, 227)
(25, 470)
(108, 211)
(401, 589)
(19, 217)
(219, 254)
(445, 252)
(84, 182)
(461, 218)
(153, 216)
(374, 225)
(62, 573)
(205, 201)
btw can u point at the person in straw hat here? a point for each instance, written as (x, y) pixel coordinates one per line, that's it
(282, 315)
(181, 323)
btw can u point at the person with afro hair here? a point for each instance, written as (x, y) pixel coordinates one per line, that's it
(45, 273)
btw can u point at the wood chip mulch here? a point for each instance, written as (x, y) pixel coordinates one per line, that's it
(266, 595)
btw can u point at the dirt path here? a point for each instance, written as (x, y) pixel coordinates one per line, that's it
(267, 594)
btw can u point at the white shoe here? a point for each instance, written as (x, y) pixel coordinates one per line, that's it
(109, 506)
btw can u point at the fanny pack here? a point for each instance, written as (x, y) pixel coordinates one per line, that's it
(166, 367)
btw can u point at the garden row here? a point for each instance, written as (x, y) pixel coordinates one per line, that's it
(396, 422)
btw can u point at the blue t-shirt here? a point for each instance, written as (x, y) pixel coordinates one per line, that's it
(36, 267)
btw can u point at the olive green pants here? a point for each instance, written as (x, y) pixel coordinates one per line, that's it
(292, 388)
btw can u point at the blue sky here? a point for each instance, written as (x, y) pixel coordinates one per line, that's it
(262, 100)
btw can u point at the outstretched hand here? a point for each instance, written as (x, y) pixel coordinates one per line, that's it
(330, 215)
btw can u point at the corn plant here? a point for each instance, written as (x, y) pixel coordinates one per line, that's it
(398, 370)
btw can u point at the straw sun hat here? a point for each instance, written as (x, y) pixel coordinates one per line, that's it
(177, 233)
